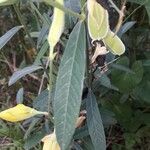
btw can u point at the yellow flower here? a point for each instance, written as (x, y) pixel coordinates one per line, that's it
(19, 113)
(50, 142)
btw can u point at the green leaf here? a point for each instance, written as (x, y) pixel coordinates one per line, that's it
(125, 28)
(141, 92)
(94, 122)
(75, 6)
(146, 63)
(41, 102)
(105, 81)
(87, 144)
(41, 53)
(7, 36)
(19, 97)
(123, 68)
(81, 133)
(127, 81)
(21, 73)
(34, 139)
(67, 99)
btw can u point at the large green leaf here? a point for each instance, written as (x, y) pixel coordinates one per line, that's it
(94, 122)
(67, 99)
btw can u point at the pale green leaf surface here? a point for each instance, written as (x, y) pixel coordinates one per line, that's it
(98, 13)
(67, 99)
(98, 24)
(114, 43)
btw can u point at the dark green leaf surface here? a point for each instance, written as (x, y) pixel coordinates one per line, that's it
(34, 139)
(41, 53)
(146, 3)
(127, 81)
(67, 99)
(94, 122)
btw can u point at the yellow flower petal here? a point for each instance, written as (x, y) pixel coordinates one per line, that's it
(19, 113)
(50, 142)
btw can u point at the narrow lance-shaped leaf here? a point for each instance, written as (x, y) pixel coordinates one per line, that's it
(21, 73)
(94, 122)
(67, 99)
(7, 36)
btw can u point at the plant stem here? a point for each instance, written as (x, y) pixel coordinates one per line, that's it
(50, 75)
(23, 23)
(43, 77)
(66, 10)
(132, 13)
(88, 70)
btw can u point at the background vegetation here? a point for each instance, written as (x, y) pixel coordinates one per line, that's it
(122, 92)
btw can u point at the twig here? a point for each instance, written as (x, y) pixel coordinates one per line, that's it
(133, 12)
(121, 17)
(43, 77)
